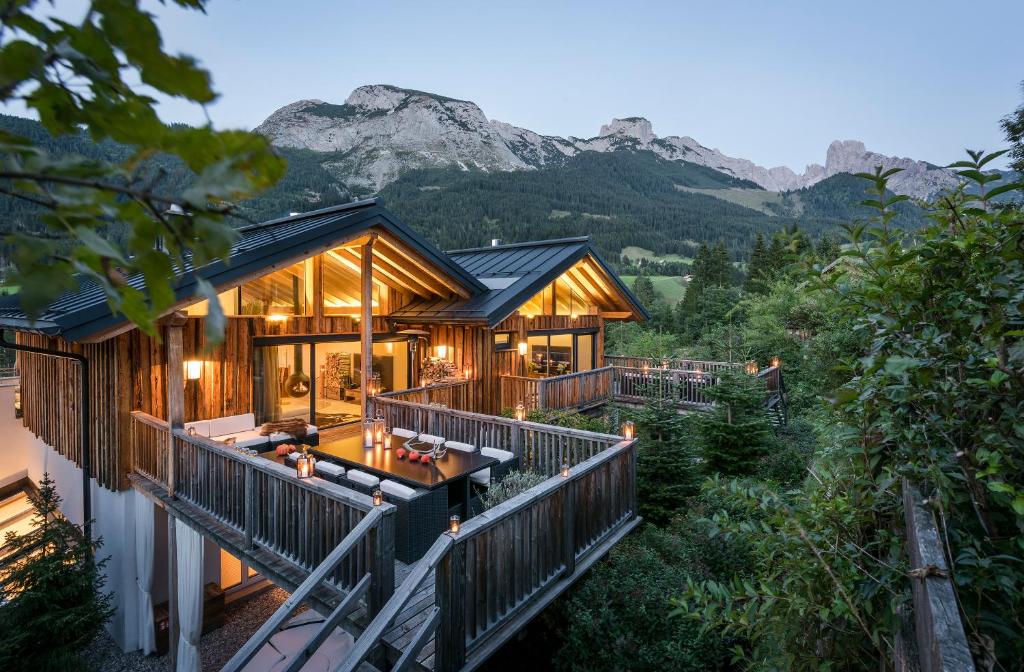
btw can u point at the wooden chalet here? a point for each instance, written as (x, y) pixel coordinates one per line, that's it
(333, 315)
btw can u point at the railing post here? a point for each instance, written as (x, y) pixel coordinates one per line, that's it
(380, 545)
(250, 505)
(175, 376)
(450, 590)
(542, 395)
(569, 526)
(579, 390)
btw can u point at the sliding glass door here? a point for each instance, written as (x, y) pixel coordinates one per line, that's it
(319, 380)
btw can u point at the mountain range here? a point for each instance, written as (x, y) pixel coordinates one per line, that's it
(382, 131)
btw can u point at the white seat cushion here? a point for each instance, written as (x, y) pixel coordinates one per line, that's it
(249, 439)
(403, 433)
(502, 455)
(310, 429)
(362, 477)
(397, 489)
(201, 427)
(482, 477)
(464, 447)
(430, 438)
(329, 468)
(232, 424)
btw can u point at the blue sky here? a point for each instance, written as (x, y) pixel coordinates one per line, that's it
(771, 81)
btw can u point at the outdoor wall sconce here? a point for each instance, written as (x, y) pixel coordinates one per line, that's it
(628, 430)
(468, 373)
(193, 369)
(442, 351)
(454, 523)
(378, 497)
(523, 348)
(752, 367)
(776, 362)
(304, 465)
(520, 411)
(565, 470)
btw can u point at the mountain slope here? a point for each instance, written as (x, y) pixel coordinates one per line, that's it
(382, 131)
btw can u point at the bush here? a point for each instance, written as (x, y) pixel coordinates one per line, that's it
(515, 483)
(789, 453)
(52, 598)
(618, 617)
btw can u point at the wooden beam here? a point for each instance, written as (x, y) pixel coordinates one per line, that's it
(447, 286)
(420, 278)
(366, 323)
(397, 276)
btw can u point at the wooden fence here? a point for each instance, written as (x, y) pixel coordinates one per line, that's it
(455, 394)
(302, 521)
(938, 631)
(684, 388)
(581, 390)
(543, 448)
(505, 565)
(673, 363)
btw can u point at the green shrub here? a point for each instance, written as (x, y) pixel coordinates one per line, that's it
(789, 453)
(515, 483)
(618, 617)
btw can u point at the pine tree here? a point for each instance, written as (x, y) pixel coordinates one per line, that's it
(758, 268)
(644, 290)
(52, 596)
(665, 464)
(777, 254)
(734, 435)
(719, 271)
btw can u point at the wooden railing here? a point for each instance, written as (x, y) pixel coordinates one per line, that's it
(684, 388)
(301, 521)
(494, 575)
(672, 363)
(581, 390)
(455, 394)
(543, 448)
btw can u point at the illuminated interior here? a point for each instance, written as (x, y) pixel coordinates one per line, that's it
(582, 290)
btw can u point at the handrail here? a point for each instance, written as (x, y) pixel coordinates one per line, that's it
(318, 576)
(375, 630)
(452, 393)
(677, 363)
(579, 389)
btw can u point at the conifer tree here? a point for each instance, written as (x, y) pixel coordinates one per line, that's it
(52, 594)
(665, 464)
(734, 434)
(758, 268)
(644, 290)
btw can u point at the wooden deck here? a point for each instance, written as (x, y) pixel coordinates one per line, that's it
(468, 595)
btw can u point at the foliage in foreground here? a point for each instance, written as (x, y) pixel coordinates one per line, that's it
(515, 483)
(52, 599)
(82, 76)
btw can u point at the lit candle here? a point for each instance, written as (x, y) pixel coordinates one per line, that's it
(752, 367)
(454, 523)
(368, 433)
(378, 498)
(565, 470)
(303, 466)
(628, 430)
(520, 411)
(776, 362)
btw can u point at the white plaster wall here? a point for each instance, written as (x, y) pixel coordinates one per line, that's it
(23, 454)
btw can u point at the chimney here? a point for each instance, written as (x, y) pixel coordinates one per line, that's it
(495, 242)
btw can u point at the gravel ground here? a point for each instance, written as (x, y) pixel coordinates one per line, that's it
(241, 620)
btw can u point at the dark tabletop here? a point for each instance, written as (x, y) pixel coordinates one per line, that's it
(350, 453)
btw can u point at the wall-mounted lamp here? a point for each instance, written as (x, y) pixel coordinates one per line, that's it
(468, 373)
(442, 351)
(389, 347)
(193, 369)
(523, 348)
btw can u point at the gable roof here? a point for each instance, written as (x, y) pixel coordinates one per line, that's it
(84, 313)
(513, 274)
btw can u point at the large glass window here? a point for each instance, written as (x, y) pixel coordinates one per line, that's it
(561, 297)
(328, 393)
(283, 292)
(558, 354)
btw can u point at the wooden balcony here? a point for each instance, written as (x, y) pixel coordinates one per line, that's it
(330, 547)
(580, 391)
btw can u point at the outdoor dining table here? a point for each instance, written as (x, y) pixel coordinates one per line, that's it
(452, 470)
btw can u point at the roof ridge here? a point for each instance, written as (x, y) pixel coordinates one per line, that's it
(354, 205)
(531, 243)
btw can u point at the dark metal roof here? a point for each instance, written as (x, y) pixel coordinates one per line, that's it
(516, 273)
(83, 313)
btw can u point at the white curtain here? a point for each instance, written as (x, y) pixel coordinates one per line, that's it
(144, 570)
(190, 595)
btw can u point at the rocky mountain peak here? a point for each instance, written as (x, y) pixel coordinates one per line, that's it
(630, 127)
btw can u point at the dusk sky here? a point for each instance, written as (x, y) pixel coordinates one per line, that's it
(774, 82)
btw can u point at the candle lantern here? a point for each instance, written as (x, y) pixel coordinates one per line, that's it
(378, 432)
(304, 465)
(468, 372)
(454, 523)
(387, 438)
(520, 411)
(646, 367)
(752, 367)
(368, 433)
(664, 362)
(776, 362)
(698, 373)
(565, 470)
(378, 497)
(628, 430)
